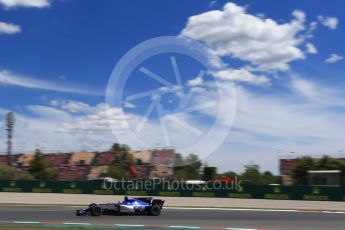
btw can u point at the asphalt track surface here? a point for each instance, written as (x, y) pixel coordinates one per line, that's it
(179, 218)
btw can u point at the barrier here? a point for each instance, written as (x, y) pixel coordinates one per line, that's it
(176, 190)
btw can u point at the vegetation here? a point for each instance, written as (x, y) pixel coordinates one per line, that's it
(191, 168)
(10, 173)
(188, 168)
(118, 169)
(252, 175)
(40, 170)
(209, 173)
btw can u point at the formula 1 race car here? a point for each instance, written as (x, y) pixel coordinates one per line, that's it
(138, 206)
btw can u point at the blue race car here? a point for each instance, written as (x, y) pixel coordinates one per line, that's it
(139, 206)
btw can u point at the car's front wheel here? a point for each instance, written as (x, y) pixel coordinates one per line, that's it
(96, 211)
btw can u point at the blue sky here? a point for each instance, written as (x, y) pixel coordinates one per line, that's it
(285, 58)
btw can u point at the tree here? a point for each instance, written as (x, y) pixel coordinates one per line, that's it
(116, 169)
(10, 173)
(188, 168)
(193, 166)
(122, 159)
(39, 170)
(328, 163)
(300, 172)
(37, 166)
(179, 161)
(7, 172)
(209, 173)
(269, 178)
(178, 167)
(51, 173)
(252, 174)
(116, 148)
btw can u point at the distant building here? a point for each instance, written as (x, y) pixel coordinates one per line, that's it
(324, 177)
(79, 166)
(143, 161)
(287, 166)
(163, 163)
(156, 163)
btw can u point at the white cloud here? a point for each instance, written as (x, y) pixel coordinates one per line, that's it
(11, 79)
(196, 81)
(311, 48)
(330, 22)
(101, 121)
(9, 28)
(55, 103)
(72, 106)
(305, 117)
(48, 112)
(75, 106)
(311, 28)
(287, 118)
(318, 94)
(334, 58)
(129, 105)
(241, 75)
(261, 41)
(58, 130)
(25, 3)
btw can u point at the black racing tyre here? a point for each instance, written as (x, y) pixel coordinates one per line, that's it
(96, 211)
(155, 210)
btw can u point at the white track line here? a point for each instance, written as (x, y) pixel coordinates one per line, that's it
(129, 225)
(26, 222)
(235, 209)
(189, 227)
(254, 209)
(68, 223)
(339, 212)
(240, 229)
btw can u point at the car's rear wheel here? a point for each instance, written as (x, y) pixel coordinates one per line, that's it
(96, 211)
(155, 210)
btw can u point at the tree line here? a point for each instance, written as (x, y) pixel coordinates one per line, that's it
(186, 167)
(38, 170)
